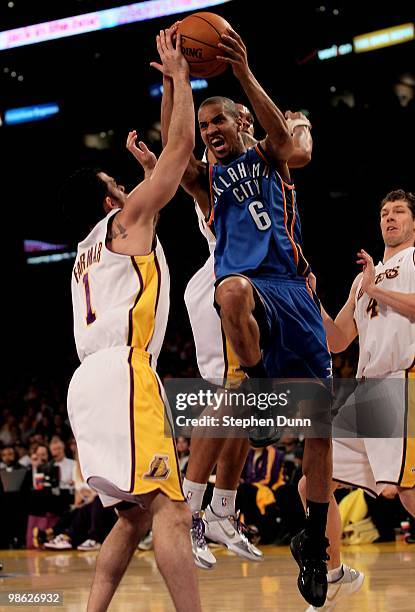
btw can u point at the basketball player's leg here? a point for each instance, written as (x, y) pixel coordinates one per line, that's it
(173, 553)
(115, 555)
(334, 525)
(235, 298)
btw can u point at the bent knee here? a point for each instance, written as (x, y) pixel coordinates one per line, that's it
(235, 294)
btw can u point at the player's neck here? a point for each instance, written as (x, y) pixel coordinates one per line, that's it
(391, 251)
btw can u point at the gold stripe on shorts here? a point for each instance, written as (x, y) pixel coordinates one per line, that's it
(407, 475)
(154, 460)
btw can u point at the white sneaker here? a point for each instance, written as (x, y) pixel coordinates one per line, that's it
(147, 542)
(349, 583)
(201, 553)
(230, 532)
(89, 545)
(60, 542)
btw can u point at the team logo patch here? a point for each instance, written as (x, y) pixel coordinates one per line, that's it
(159, 468)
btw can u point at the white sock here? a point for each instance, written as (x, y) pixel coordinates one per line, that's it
(223, 502)
(335, 574)
(194, 492)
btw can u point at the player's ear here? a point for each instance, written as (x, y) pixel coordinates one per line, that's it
(109, 204)
(239, 123)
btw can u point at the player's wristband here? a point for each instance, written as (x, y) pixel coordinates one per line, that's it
(293, 123)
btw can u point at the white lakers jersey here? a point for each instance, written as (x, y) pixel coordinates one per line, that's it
(203, 226)
(386, 337)
(118, 300)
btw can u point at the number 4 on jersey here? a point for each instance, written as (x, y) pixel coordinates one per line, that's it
(372, 308)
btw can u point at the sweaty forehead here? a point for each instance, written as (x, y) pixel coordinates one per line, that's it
(396, 203)
(209, 111)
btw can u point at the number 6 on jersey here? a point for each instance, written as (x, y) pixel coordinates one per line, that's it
(262, 220)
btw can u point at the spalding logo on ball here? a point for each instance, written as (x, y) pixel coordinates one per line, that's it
(201, 33)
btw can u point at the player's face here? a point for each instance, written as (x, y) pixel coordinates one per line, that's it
(246, 118)
(396, 223)
(116, 193)
(220, 132)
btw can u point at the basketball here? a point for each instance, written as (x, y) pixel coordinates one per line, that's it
(201, 34)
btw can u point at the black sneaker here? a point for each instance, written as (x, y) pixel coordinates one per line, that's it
(311, 557)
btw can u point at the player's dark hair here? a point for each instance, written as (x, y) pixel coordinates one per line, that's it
(400, 194)
(82, 197)
(229, 105)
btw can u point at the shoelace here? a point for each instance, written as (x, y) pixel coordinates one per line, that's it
(199, 530)
(240, 527)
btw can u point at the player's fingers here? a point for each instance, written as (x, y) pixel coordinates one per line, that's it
(231, 42)
(232, 52)
(143, 147)
(157, 66)
(159, 48)
(228, 60)
(167, 38)
(163, 41)
(179, 42)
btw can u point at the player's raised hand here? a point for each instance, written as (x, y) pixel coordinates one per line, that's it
(235, 53)
(142, 153)
(296, 119)
(172, 59)
(369, 273)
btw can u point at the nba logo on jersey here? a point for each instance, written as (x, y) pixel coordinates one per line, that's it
(159, 468)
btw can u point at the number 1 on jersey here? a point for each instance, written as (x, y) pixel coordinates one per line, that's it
(90, 314)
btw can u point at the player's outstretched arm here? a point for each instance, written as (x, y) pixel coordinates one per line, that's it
(194, 178)
(300, 128)
(152, 194)
(342, 331)
(278, 142)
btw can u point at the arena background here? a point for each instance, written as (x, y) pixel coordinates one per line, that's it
(363, 147)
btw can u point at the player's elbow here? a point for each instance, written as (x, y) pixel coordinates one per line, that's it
(337, 345)
(299, 159)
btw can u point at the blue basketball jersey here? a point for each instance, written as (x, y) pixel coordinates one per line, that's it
(256, 221)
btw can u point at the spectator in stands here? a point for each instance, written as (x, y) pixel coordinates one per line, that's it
(183, 452)
(25, 428)
(65, 465)
(22, 453)
(13, 514)
(9, 459)
(263, 473)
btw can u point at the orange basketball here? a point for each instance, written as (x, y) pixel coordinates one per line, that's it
(200, 37)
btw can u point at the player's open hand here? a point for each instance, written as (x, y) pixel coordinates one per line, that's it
(235, 53)
(142, 153)
(296, 119)
(368, 277)
(173, 62)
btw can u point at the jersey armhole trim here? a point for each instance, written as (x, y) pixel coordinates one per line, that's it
(263, 155)
(210, 217)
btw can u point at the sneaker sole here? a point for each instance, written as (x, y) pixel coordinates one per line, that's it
(245, 555)
(204, 565)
